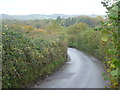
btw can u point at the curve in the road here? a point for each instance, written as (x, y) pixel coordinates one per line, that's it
(82, 71)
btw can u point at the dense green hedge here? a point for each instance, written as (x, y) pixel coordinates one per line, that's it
(26, 59)
(104, 43)
(99, 44)
(88, 41)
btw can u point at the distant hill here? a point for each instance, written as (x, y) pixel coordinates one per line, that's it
(5, 16)
(38, 16)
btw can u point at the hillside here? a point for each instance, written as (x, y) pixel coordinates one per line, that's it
(38, 16)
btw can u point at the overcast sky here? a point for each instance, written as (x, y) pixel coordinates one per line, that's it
(24, 7)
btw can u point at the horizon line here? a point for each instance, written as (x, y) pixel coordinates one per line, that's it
(51, 14)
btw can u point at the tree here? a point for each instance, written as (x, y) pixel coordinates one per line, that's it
(53, 27)
(58, 19)
(77, 28)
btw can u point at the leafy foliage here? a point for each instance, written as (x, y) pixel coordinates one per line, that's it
(111, 28)
(90, 21)
(102, 42)
(34, 48)
(25, 59)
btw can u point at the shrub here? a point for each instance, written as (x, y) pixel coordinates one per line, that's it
(26, 59)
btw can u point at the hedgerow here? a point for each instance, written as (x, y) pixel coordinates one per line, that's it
(25, 59)
(103, 43)
(100, 45)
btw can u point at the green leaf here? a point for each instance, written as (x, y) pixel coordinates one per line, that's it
(114, 72)
(104, 38)
(106, 78)
(104, 74)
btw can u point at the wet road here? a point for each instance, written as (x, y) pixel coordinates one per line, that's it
(82, 71)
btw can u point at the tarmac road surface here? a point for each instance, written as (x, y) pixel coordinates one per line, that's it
(82, 71)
